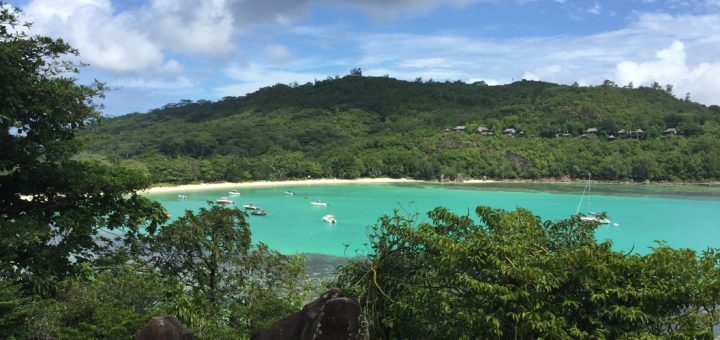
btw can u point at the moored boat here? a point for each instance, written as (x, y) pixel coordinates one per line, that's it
(329, 219)
(595, 217)
(319, 203)
(289, 193)
(224, 201)
(258, 212)
(250, 206)
(234, 192)
(600, 218)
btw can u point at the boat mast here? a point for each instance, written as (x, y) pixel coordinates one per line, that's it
(587, 188)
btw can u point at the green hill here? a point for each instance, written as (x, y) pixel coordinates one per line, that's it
(378, 126)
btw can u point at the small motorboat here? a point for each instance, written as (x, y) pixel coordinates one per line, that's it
(596, 217)
(182, 196)
(289, 193)
(329, 219)
(319, 203)
(224, 201)
(258, 212)
(250, 206)
(234, 192)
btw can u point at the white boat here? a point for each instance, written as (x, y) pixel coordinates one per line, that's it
(319, 203)
(289, 193)
(182, 196)
(596, 217)
(224, 201)
(600, 218)
(329, 219)
(258, 212)
(234, 192)
(250, 206)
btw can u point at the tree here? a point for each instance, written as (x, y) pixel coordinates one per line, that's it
(608, 83)
(356, 72)
(513, 276)
(54, 210)
(211, 253)
(204, 250)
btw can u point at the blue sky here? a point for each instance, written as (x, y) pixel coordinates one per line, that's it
(153, 52)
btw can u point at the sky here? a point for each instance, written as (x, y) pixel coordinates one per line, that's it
(155, 52)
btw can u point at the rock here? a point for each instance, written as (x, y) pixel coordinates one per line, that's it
(164, 328)
(328, 317)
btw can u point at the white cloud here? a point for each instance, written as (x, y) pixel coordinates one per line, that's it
(250, 78)
(104, 40)
(586, 59)
(189, 26)
(155, 84)
(552, 73)
(139, 38)
(277, 53)
(670, 67)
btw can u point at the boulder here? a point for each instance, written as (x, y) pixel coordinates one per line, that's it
(328, 317)
(164, 328)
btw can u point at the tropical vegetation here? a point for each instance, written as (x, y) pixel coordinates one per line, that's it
(84, 256)
(358, 126)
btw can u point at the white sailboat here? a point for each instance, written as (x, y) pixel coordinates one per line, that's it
(591, 216)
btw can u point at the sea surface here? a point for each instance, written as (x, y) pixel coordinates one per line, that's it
(683, 216)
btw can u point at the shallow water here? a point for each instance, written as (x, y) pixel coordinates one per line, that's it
(682, 216)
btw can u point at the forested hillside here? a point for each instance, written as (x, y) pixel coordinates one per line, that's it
(358, 126)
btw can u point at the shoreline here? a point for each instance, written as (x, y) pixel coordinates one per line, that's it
(384, 180)
(270, 184)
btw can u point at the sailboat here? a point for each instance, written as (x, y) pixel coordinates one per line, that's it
(600, 218)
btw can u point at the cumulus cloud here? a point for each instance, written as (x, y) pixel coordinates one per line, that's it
(140, 38)
(670, 67)
(104, 40)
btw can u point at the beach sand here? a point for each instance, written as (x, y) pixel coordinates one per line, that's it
(265, 184)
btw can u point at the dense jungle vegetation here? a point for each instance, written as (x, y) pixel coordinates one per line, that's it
(358, 126)
(83, 256)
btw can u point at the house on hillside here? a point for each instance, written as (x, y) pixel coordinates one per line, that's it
(611, 138)
(639, 133)
(591, 131)
(622, 134)
(509, 132)
(670, 132)
(459, 128)
(483, 131)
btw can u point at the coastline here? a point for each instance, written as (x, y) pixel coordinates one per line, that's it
(269, 184)
(387, 180)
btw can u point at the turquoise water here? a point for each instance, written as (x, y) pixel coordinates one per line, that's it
(688, 218)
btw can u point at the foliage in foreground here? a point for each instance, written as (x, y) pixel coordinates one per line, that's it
(53, 207)
(202, 269)
(233, 286)
(514, 276)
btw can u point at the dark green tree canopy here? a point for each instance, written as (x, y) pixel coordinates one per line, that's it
(513, 276)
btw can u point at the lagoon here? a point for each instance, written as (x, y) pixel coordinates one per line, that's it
(682, 216)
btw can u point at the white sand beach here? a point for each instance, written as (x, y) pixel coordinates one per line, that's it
(263, 184)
